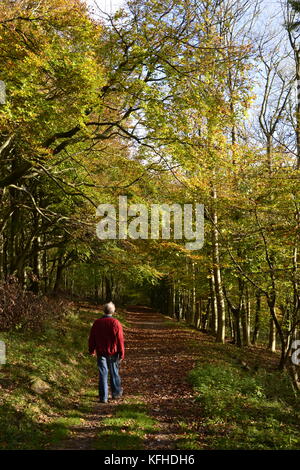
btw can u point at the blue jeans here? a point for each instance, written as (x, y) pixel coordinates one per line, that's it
(109, 364)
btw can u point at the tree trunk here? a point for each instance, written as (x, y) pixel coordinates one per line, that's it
(96, 286)
(272, 336)
(217, 275)
(193, 293)
(257, 318)
(108, 290)
(245, 323)
(59, 272)
(45, 267)
(297, 57)
(269, 153)
(275, 323)
(214, 307)
(35, 264)
(237, 326)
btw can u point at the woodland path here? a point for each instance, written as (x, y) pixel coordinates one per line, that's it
(159, 354)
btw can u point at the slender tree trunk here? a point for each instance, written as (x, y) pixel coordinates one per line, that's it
(269, 152)
(257, 318)
(207, 311)
(108, 290)
(272, 336)
(35, 262)
(297, 57)
(245, 325)
(237, 323)
(45, 267)
(170, 297)
(217, 274)
(96, 286)
(243, 312)
(193, 293)
(230, 323)
(59, 272)
(275, 323)
(214, 307)
(177, 302)
(174, 299)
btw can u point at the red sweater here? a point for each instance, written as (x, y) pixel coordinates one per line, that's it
(106, 337)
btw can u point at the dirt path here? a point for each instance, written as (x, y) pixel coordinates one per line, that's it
(158, 356)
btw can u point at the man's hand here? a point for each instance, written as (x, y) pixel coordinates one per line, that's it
(92, 353)
(120, 359)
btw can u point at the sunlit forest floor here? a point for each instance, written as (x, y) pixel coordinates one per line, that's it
(181, 391)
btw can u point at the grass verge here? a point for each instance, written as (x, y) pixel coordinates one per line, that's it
(41, 383)
(246, 410)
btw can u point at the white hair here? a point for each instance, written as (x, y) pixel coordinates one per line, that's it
(109, 308)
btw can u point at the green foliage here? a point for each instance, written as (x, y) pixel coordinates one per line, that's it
(57, 356)
(244, 411)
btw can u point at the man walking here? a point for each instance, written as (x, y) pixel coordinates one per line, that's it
(107, 341)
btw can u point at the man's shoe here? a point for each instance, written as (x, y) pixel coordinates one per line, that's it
(102, 401)
(117, 396)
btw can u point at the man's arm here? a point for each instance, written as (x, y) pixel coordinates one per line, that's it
(120, 341)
